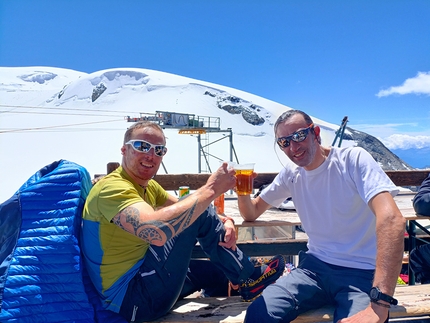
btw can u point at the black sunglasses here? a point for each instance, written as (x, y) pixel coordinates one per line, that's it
(143, 146)
(298, 136)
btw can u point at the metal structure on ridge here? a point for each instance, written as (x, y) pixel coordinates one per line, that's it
(190, 124)
(340, 131)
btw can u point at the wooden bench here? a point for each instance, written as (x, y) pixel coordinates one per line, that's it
(414, 301)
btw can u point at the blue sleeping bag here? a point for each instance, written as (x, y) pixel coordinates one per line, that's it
(42, 278)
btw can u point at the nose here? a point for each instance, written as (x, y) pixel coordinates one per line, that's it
(294, 146)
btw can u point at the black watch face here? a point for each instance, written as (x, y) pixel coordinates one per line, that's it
(374, 293)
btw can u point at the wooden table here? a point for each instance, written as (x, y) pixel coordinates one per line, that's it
(274, 224)
(276, 217)
(272, 217)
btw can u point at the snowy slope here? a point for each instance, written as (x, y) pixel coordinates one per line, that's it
(49, 114)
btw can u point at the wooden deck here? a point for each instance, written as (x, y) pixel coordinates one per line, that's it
(414, 301)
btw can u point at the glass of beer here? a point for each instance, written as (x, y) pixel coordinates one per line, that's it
(244, 179)
(219, 204)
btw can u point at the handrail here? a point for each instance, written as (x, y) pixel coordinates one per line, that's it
(194, 181)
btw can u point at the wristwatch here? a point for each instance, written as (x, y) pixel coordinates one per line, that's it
(376, 295)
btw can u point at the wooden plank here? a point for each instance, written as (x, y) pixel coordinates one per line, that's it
(291, 247)
(413, 301)
(173, 181)
(111, 167)
(194, 181)
(408, 177)
(264, 248)
(277, 217)
(263, 179)
(271, 217)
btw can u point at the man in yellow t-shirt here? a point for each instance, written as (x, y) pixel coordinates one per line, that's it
(137, 239)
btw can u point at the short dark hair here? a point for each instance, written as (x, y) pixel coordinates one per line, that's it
(140, 125)
(288, 114)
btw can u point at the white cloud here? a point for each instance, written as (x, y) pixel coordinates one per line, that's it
(385, 130)
(419, 84)
(411, 135)
(398, 141)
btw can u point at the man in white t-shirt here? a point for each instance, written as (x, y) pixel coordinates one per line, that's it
(355, 229)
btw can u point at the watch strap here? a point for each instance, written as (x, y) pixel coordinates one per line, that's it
(388, 299)
(382, 297)
(380, 304)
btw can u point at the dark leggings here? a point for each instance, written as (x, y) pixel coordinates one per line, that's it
(165, 274)
(312, 285)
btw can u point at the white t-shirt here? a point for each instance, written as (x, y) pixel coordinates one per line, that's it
(332, 203)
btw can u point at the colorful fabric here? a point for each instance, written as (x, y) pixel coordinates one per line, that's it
(40, 265)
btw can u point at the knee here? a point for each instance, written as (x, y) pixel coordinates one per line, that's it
(257, 312)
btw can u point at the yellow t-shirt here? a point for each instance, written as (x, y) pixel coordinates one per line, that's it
(113, 255)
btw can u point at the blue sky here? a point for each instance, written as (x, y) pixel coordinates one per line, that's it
(368, 60)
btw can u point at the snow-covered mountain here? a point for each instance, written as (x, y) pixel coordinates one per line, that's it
(49, 114)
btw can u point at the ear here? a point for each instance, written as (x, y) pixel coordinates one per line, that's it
(317, 130)
(123, 150)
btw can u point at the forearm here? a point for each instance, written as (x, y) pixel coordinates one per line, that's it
(390, 230)
(390, 245)
(158, 226)
(251, 209)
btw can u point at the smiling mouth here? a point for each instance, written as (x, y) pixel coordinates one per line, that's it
(146, 165)
(299, 155)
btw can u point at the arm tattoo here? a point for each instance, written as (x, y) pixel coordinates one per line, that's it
(154, 230)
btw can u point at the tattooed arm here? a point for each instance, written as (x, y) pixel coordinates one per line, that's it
(158, 226)
(154, 231)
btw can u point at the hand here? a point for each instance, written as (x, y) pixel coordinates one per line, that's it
(222, 180)
(372, 314)
(230, 236)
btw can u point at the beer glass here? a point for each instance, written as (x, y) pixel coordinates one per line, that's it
(244, 179)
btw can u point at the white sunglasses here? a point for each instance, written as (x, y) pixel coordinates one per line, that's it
(143, 146)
